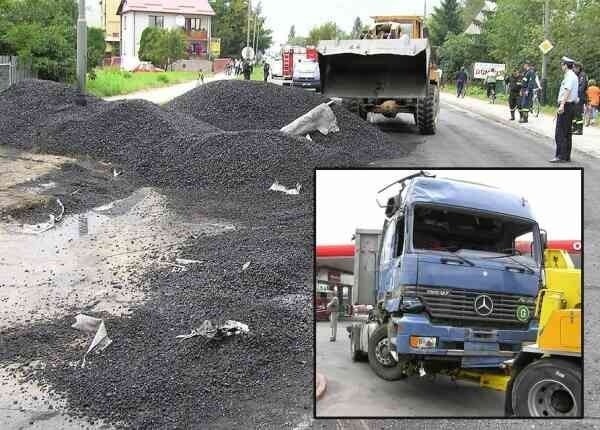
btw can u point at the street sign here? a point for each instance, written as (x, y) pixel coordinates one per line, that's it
(482, 69)
(215, 47)
(248, 53)
(546, 46)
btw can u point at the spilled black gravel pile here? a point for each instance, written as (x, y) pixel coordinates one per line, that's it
(190, 147)
(214, 151)
(247, 105)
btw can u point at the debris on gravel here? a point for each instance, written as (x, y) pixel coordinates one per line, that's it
(215, 152)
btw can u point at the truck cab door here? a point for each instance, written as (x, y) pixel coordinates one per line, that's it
(387, 260)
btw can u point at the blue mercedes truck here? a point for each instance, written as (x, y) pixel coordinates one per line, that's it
(452, 288)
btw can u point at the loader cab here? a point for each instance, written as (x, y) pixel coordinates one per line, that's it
(411, 26)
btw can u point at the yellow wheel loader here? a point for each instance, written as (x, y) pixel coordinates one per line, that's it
(387, 71)
(545, 378)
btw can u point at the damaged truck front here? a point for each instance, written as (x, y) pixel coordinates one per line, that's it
(452, 290)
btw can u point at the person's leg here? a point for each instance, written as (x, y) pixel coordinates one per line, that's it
(560, 134)
(571, 111)
(334, 327)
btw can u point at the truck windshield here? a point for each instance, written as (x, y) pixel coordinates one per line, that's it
(486, 236)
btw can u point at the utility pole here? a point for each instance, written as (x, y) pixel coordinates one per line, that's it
(545, 58)
(81, 53)
(249, 15)
(254, 38)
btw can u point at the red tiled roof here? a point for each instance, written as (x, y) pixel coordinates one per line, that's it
(181, 7)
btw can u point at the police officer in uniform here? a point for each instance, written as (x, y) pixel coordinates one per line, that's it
(527, 87)
(580, 107)
(568, 96)
(514, 84)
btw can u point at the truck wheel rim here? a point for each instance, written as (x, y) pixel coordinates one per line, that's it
(550, 398)
(382, 353)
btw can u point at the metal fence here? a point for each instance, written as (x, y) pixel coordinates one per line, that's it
(12, 71)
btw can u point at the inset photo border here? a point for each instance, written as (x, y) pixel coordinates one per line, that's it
(447, 293)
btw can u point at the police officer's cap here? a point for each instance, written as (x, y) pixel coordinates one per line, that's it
(567, 60)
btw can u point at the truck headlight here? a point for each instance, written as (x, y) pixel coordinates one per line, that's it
(423, 342)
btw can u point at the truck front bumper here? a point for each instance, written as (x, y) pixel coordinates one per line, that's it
(473, 347)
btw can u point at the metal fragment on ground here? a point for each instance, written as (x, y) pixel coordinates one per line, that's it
(211, 331)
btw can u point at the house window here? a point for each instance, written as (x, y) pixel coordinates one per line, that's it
(193, 24)
(156, 21)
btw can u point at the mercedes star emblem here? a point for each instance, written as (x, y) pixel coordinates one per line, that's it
(483, 305)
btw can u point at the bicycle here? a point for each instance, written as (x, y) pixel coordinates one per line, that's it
(535, 103)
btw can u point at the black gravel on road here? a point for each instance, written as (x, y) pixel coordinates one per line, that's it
(218, 165)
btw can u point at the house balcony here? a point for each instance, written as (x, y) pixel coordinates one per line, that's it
(196, 35)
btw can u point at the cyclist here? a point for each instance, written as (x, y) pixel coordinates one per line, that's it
(461, 81)
(490, 83)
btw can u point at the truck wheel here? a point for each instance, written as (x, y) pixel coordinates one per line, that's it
(427, 110)
(549, 387)
(380, 359)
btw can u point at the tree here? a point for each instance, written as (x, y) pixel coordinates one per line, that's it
(230, 24)
(357, 28)
(445, 19)
(41, 33)
(162, 47)
(152, 46)
(96, 47)
(292, 33)
(461, 50)
(327, 31)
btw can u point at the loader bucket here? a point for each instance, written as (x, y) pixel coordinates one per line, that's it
(390, 69)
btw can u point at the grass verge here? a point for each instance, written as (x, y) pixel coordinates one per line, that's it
(113, 82)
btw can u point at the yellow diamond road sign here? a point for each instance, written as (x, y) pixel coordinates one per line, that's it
(546, 46)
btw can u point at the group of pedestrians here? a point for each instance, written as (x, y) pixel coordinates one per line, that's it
(523, 85)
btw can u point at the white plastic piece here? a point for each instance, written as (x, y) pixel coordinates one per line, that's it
(320, 119)
(90, 324)
(282, 188)
(245, 265)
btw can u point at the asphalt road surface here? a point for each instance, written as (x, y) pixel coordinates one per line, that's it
(353, 390)
(466, 139)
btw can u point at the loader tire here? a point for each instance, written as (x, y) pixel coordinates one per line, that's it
(427, 110)
(549, 387)
(380, 360)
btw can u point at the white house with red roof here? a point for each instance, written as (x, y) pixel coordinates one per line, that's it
(193, 16)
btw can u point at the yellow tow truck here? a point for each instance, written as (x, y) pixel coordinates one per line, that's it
(544, 380)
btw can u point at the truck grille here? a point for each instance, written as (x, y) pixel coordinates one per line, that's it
(456, 307)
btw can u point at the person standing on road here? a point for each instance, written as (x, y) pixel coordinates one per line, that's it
(583, 83)
(247, 69)
(593, 99)
(567, 98)
(266, 68)
(461, 82)
(527, 87)
(490, 82)
(513, 83)
(333, 308)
